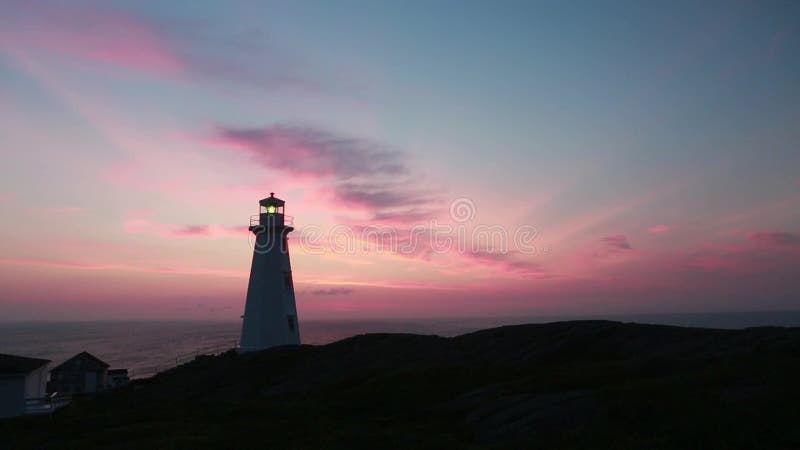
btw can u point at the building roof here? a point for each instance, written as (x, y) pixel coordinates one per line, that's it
(84, 361)
(19, 365)
(271, 201)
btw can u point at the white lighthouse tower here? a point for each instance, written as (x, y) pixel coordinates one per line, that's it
(270, 314)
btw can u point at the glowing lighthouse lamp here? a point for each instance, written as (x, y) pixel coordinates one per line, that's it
(270, 314)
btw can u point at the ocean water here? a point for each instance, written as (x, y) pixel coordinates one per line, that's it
(147, 347)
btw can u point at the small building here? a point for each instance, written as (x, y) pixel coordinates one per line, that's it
(84, 373)
(21, 378)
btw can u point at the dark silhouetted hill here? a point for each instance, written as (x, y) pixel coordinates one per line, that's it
(584, 384)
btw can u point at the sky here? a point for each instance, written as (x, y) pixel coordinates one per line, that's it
(439, 158)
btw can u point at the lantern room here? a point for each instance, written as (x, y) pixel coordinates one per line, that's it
(271, 215)
(271, 205)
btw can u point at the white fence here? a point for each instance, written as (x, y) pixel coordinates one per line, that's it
(148, 371)
(46, 405)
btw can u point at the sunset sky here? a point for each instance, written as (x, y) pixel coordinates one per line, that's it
(653, 146)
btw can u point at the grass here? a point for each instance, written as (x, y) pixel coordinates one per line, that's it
(562, 385)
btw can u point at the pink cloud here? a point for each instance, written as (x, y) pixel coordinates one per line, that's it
(98, 34)
(616, 242)
(186, 176)
(774, 238)
(142, 222)
(442, 252)
(768, 209)
(411, 216)
(78, 265)
(333, 291)
(208, 231)
(660, 228)
(305, 151)
(724, 258)
(606, 247)
(7, 197)
(386, 284)
(721, 262)
(354, 173)
(505, 263)
(192, 230)
(137, 226)
(710, 275)
(607, 251)
(597, 217)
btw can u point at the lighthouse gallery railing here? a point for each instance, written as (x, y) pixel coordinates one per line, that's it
(255, 220)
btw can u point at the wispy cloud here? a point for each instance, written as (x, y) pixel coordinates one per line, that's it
(657, 229)
(332, 291)
(616, 242)
(192, 230)
(110, 266)
(106, 35)
(96, 33)
(308, 151)
(771, 208)
(776, 255)
(505, 263)
(606, 248)
(776, 238)
(596, 218)
(355, 173)
(143, 222)
(208, 231)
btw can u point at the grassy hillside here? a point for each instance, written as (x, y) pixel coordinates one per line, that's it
(585, 384)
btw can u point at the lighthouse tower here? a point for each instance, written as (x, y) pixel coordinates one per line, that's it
(270, 314)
